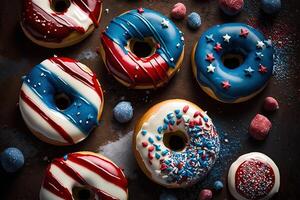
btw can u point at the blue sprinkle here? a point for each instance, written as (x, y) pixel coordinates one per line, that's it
(166, 120)
(271, 6)
(165, 127)
(178, 116)
(157, 147)
(194, 20)
(144, 132)
(177, 112)
(205, 119)
(158, 137)
(172, 122)
(170, 115)
(159, 130)
(157, 156)
(66, 157)
(218, 185)
(12, 159)
(150, 139)
(164, 152)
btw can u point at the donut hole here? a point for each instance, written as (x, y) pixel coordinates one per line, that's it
(233, 60)
(62, 100)
(142, 49)
(83, 193)
(176, 141)
(60, 6)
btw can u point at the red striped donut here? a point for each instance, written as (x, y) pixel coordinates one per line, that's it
(83, 175)
(60, 23)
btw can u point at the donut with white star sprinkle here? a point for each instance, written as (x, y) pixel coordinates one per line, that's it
(232, 62)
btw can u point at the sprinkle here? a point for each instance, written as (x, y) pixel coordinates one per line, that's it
(65, 157)
(160, 129)
(178, 45)
(150, 139)
(78, 113)
(226, 38)
(157, 156)
(185, 108)
(218, 47)
(150, 156)
(259, 55)
(140, 10)
(165, 23)
(158, 137)
(157, 147)
(151, 148)
(209, 38)
(144, 132)
(177, 111)
(197, 113)
(164, 152)
(145, 144)
(171, 59)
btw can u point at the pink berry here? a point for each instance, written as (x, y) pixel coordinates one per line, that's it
(231, 7)
(178, 11)
(260, 127)
(205, 194)
(270, 104)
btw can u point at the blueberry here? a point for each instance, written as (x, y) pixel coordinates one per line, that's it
(12, 159)
(270, 6)
(123, 112)
(167, 196)
(194, 20)
(218, 185)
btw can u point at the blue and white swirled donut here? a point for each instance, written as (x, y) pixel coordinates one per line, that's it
(61, 101)
(232, 42)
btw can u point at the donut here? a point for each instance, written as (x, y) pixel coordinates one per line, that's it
(142, 48)
(232, 62)
(175, 143)
(83, 175)
(61, 101)
(60, 23)
(253, 176)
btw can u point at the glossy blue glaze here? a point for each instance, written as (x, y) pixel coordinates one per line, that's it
(243, 83)
(140, 25)
(46, 85)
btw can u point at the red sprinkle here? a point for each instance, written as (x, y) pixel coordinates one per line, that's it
(180, 165)
(197, 113)
(163, 167)
(150, 156)
(185, 108)
(260, 127)
(145, 144)
(151, 148)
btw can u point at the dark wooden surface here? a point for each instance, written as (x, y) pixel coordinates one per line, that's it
(18, 55)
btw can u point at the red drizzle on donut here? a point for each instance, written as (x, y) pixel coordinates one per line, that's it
(104, 168)
(254, 179)
(72, 67)
(54, 27)
(132, 69)
(53, 124)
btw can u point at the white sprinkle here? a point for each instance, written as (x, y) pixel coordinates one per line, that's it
(39, 84)
(80, 121)
(78, 113)
(86, 122)
(107, 10)
(44, 91)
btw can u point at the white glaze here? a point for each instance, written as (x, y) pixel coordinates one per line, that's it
(254, 155)
(151, 127)
(74, 13)
(93, 179)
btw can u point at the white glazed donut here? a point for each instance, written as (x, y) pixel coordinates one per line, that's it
(60, 23)
(61, 101)
(175, 143)
(253, 176)
(83, 175)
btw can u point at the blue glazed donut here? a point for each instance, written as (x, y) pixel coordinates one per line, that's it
(155, 31)
(251, 52)
(61, 101)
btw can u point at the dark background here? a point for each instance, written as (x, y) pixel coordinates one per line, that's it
(18, 55)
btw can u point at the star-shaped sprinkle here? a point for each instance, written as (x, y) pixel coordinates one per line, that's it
(259, 55)
(218, 47)
(226, 38)
(209, 38)
(260, 44)
(262, 69)
(268, 43)
(165, 23)
(248, 71)
(140, 10)
(211, 68)
(226, 85)
(244, 33)
(210, 57)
